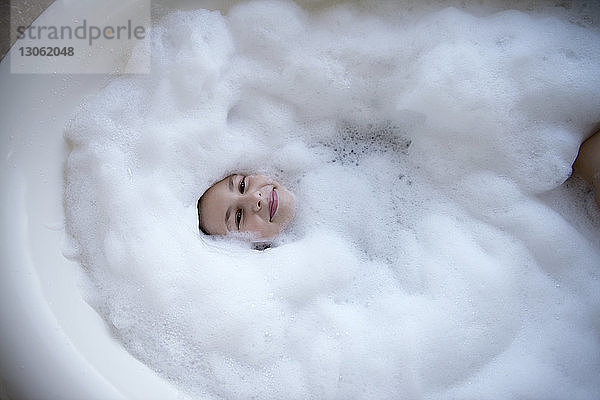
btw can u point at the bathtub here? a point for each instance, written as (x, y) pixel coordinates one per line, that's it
(53, 345)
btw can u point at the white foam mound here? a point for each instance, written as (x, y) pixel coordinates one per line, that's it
(435, 253)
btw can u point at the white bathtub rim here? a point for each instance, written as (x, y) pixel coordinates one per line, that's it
(52, 343)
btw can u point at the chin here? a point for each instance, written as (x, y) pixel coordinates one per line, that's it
(287, 208)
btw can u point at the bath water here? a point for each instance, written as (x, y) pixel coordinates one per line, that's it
(437, 251)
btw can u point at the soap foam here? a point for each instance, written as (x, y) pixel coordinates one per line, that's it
(436, 252)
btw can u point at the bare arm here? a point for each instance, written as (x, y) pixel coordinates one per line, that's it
(587, 163)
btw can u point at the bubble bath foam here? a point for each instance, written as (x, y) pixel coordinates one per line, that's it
(440, 249)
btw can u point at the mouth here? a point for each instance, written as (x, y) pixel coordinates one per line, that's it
(273, 204)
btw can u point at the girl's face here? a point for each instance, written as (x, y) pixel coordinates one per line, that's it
(246, 203)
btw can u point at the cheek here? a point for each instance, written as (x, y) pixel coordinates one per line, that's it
(255, 224)
(286, 213)
(269, 232)
(264, 229)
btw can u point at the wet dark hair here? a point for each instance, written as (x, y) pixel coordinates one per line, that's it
(260, 246)
(200, 220)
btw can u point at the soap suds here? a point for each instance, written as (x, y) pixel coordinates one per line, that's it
(436, 251)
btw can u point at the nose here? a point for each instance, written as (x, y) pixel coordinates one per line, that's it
(255, 201)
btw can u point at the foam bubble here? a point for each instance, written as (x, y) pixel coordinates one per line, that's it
(436, 252)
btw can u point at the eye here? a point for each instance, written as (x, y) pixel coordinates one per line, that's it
(238, 218)
(243, 185)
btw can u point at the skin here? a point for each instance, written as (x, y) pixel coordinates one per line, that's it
(587, 163)
(240, 203)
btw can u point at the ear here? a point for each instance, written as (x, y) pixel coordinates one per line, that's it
(260, 245)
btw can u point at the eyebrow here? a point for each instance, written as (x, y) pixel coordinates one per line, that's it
(228, 213)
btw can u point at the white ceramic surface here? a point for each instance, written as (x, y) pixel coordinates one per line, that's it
(53, 345)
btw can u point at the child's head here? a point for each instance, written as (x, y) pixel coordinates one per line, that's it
(246, 203)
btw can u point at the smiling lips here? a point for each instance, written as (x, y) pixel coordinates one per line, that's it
(273, 204)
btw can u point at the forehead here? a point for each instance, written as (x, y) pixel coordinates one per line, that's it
(215, 203)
